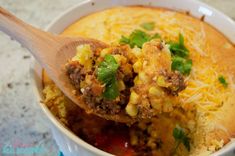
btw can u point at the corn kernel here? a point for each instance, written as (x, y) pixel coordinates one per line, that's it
(154, 91)
(88, 64)
(88, 79)
(154, 134)
(167, 107)
(156, 104)
(127, 69)
(82, 84)
(137, 51)
(145, 63)
(137, 80)
(121, 85)
(143, 77)
(120, 59)
(134, 98)
(104, 52)
(145, 102)
(142, 125)
(117, 58)
(161, 81)
(137, 66)
(151, 143)
(133, 138)
(84, 53)
(131, 110)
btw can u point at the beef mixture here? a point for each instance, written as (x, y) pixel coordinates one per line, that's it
(119, 79)
(146, 138)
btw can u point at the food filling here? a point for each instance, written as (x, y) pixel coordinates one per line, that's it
(171, 72)
(142, 76)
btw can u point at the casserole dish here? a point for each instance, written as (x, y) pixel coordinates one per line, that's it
(69, 143)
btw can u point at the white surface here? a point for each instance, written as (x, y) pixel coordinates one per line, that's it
(20, 116)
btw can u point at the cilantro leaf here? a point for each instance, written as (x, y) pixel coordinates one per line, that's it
(223, 81)
(124, 40)
(155, 36)
(179, 49)
(180, 54)
(111, 90)
(182, 65)
(186, 143)
(137, 38)
(107, 69)
(106, 73)
(181, 40)
(148, 25)
(181, 137)
(178, 133)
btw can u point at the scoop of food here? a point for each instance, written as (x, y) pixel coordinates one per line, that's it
(140, 80)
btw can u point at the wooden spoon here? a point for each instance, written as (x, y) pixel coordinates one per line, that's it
(52, 52)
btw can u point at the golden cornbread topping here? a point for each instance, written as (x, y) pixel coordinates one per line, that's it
(151, 48)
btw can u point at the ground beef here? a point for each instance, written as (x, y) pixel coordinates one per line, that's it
(175, 81)
(103, 105)
(91, 89)
(75, 72)
(142, 148)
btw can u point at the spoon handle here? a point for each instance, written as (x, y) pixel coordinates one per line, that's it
(38, 42)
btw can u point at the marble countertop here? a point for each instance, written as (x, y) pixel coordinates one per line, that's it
(21, 120)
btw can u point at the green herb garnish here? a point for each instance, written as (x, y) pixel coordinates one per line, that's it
(124, 40)
(223, 81)
(179, 49)
(181, 137)
(111, 90)
(182, 65)
(155, 36)
(107, 71)
(180, 54)
(148, 25)
(137, 38)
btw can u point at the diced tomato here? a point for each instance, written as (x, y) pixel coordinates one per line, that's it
(129, 152)
(119, 145)
(115, 142)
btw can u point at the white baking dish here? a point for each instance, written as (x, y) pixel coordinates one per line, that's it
(70, 144)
